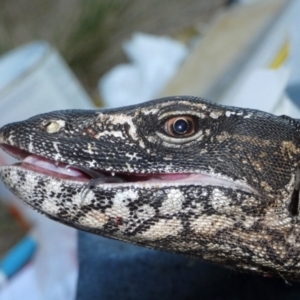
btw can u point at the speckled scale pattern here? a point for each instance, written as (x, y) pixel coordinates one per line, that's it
(249, 228)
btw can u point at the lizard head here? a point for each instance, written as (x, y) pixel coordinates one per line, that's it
(178, 174)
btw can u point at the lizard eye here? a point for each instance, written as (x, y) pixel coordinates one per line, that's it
(182, 126)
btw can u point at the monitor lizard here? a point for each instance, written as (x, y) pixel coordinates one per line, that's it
(178, 174)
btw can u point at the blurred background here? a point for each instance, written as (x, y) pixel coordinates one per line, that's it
(89, 36)
(89, 33)
(88, 54)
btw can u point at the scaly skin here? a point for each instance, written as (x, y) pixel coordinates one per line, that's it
(230, 196)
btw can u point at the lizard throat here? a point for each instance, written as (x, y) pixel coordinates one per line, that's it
(41, 165)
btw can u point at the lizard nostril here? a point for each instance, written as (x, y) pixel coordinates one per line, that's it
(53, 126)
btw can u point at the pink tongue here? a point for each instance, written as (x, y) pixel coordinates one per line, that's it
(46, 164)
(173, 176)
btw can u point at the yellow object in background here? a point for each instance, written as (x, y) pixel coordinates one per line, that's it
(281, 56)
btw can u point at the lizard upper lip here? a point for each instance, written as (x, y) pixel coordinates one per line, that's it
(50, 167)
(61, 170)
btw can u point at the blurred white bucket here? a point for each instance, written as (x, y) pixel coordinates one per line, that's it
(35, 79)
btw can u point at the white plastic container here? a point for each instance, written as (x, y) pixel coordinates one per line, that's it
(35, 79)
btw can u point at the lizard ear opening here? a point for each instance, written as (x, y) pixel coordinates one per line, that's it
(294, 204)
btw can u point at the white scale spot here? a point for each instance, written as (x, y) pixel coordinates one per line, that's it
(220, 201)
(129, 168)
(50, 207)
(30, 147)
(131, 156)
(214, 115)
(94, 219)
(228, 113)
(173, 203)
(55, 146)
(211, 224)
(145, 212)
(57, 156)
(11, 139)
(162, 229)
(153, 111)
(116, 134)
(248, 116)
(123, 119)
(204, 192)
(84, 197)
(120, 204)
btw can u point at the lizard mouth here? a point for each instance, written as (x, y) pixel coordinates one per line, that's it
(46, 166)
(42, 165)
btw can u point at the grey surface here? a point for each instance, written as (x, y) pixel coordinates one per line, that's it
(115, 270)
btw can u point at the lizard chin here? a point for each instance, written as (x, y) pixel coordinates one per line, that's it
(41, 165)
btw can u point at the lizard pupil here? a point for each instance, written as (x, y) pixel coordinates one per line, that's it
(181, 126)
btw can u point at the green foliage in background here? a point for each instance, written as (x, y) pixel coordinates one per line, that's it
(90, 34)
(78, 28)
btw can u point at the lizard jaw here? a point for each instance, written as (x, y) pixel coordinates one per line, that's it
(41, 165)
